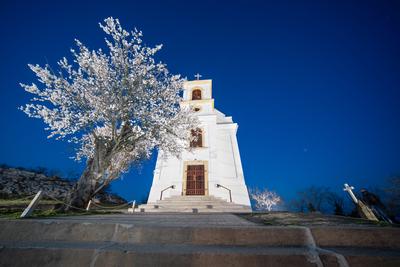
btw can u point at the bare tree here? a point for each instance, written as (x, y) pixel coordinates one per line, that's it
(264, 199)
(392, 191)
(336, 202)
(311, 199)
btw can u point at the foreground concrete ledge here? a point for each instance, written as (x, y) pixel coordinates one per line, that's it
(115, 254)
(368, 237)
(36, 230)
(191, 248)
(62, 230)
(191, 240)
(104, 258)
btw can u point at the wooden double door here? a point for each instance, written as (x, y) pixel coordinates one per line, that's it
(195, 180)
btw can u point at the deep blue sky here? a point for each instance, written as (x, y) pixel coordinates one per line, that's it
(313, 85)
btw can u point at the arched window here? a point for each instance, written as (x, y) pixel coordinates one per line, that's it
(196, 94)
(197, 138)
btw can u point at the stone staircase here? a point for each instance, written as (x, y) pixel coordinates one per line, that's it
(193, 204)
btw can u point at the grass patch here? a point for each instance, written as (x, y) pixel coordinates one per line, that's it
(18, 202)
(54, 213)
(268, 223)
(309, 219)
(13, 208)
(10, 215)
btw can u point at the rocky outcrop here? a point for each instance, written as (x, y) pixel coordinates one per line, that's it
(16, 182)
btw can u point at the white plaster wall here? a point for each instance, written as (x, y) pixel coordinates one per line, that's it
(169, 170)
(206, 106)
(224, 164)
(228, 171)
(165, 174)
(220, 149)
(204, 85)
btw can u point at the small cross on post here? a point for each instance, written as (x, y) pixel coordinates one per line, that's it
(349, 190)
(198, 76)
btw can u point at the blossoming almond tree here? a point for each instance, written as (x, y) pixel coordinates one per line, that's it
(264, 199)
(117, 107)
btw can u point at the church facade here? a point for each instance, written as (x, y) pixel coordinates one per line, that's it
(212, 167)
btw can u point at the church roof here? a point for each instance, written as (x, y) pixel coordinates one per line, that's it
(222, 118)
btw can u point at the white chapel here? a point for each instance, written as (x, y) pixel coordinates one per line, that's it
(208, 177)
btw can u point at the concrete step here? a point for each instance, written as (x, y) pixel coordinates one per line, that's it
(36, 230)
(193, 200)
(193, 204)
(87, 243)
(192, 209)
(205, 202)
(209, 206)
(221, 208)
(112, 254)
(186, 199)
(193, 197)
(62, 230)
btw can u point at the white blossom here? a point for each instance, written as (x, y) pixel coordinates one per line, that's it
(264, 199)
(116, 106)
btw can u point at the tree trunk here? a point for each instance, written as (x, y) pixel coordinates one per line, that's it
(81, 193)
(95, 168)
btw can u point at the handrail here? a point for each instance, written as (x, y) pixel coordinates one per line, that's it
(230, 192)
(162, 191)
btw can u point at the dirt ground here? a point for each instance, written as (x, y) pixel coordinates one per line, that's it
(306, 219)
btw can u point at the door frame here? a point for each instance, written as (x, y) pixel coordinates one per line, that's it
(184, 178)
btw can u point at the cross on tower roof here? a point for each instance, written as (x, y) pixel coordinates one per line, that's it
(198, 76)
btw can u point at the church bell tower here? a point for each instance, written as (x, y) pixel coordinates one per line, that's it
(211, 171)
